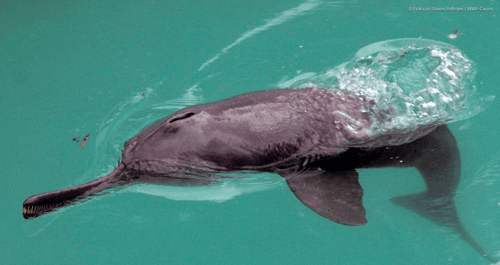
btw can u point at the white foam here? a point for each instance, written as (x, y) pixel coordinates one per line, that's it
(406, 85)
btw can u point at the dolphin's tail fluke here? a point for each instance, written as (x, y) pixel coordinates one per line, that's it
(441, 211)
(40, 204)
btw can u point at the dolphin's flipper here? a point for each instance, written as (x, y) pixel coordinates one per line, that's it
(336, 196)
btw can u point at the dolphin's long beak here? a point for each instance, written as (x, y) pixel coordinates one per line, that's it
(40, 204)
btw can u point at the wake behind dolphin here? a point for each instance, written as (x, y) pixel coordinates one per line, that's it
(392, 101)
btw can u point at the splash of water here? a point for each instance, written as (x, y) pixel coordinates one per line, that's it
(406, 85)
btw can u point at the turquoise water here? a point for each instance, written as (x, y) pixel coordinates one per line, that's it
(70, 69)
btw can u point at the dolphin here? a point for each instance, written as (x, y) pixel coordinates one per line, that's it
(314, 138)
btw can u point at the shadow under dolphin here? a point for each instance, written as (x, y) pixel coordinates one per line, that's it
(314, 138)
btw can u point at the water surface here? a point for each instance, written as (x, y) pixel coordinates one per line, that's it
(109, 67)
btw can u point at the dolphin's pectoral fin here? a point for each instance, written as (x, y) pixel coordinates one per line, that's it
(336, 196)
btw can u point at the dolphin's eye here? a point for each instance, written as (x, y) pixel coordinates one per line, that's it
(182, 116)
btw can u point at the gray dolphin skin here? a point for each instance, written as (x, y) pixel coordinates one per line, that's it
(301, 134)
